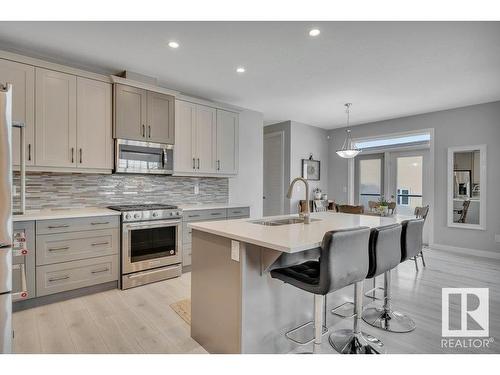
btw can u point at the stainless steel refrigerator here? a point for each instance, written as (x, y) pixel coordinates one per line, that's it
(5, 218)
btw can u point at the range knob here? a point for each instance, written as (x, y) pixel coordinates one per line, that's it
(155, 214)
(171, 213)
(127, 216)
(178, 213)
(136, 216)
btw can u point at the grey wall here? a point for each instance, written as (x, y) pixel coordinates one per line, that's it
(306, 140)
(300, 141)
(478, 124)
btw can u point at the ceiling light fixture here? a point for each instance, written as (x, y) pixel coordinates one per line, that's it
(314, 32)
(349, 149)
(240, 69)
(173, 44)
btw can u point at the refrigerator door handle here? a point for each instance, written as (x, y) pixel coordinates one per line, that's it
(24, 285)
(22, 162)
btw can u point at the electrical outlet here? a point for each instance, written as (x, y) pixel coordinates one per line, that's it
(497, 237)
(196, 189)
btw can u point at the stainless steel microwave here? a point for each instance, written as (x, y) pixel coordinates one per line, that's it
(143, 157)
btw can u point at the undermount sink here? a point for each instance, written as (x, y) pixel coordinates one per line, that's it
(278, 222)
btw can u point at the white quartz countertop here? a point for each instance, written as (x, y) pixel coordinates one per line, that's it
(64, 213)
(293, 237)
(214, 206)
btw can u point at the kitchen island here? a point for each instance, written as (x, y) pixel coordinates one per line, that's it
(236, 307)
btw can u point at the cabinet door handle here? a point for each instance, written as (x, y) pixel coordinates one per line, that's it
(72, 154)
(58, 226)
(100, 223)
(198, 163)
(100, 271)
(65, 277)
(143, 130)
(215, 213)
(100, 243)
(29, 151)
(149, 130)
(193, 215)
(81, 157)
(59, 248)
(194, 163)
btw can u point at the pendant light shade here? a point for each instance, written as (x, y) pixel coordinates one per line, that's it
(348, 150)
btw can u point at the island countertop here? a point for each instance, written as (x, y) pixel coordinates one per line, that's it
(292, 238)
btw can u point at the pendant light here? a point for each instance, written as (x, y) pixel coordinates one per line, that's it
(348, 150)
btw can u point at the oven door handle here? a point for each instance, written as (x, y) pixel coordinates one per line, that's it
(152, 224)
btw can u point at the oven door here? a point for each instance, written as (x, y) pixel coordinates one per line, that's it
(143, 157)
(150, 244)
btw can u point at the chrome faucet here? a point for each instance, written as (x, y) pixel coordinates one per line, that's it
(304, 215)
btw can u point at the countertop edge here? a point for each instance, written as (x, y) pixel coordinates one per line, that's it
(54, 215)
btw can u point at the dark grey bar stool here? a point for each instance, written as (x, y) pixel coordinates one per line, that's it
(388, 247)
(343, 261)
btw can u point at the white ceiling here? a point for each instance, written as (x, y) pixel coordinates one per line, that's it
(386, 69)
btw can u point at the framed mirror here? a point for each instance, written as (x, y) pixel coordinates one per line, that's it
(467, 187)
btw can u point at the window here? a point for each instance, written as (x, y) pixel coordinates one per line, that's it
(403, 197)
(395, 142)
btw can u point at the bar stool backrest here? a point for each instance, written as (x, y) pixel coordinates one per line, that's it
(384, 249)
(411, 238)
(344, 258)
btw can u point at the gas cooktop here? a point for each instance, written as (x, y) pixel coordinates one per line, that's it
(147, 212)
(143, 207)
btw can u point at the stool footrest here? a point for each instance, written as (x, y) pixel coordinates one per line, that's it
(372, 293)
(345, 310)
(303, 334)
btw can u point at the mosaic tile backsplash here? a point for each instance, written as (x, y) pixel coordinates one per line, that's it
(69, 190)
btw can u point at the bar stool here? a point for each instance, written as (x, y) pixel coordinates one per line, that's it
(343, 261)
(388, 247)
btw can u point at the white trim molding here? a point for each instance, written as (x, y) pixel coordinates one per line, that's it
(466, 251)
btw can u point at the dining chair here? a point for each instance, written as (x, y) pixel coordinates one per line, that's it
(420, 213)
(463, 211)
(348, 209)
(320, 205)
(372, 205)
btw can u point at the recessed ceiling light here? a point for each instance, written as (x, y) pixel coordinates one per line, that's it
(314, 32)
(173, 44)
(240, 69)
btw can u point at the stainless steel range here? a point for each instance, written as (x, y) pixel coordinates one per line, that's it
(151, 242)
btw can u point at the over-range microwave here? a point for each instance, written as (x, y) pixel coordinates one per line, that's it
(143, 157)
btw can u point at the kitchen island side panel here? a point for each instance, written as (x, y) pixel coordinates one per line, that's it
(215, 294)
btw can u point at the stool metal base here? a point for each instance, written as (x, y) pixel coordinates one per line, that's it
(345, 341)
(392, 321)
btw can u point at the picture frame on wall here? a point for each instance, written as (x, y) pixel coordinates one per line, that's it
(311, 169)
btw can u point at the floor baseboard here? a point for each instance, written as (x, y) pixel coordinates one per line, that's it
(466, 251)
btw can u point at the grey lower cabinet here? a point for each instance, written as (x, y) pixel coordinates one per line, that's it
(206, 215)
(76, 253)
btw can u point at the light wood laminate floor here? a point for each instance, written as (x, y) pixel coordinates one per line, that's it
(140, 320)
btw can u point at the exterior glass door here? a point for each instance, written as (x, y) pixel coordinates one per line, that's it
(369, 179)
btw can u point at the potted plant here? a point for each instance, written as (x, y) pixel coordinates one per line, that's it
(383, 205)
(317, 193)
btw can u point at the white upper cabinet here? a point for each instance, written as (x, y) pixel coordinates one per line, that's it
(55, 118)
(160, 118)
(143, 115)
(94, 122)
(130, 112)
(206, 132)
(227, 142)
(185, 149)
(206, 140)
(22, 78)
